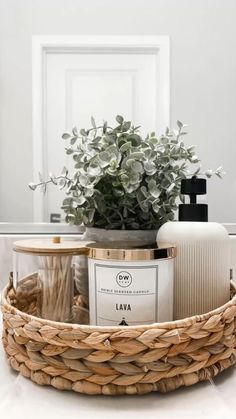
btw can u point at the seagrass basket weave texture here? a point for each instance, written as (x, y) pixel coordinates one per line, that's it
(118, 360)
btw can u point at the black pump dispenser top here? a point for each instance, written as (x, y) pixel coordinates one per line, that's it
(193, 211)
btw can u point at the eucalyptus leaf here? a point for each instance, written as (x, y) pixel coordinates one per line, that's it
(66, 135)
(180, 124)
(32, 186)
(91, 214)
(144, 191)
(75, 131)
(93, 123)
(64, 171)
(62, 183)
(194, 159)
(118, 192)
(182, 198)
(170, 188)
(209, 173)
(195, 173)
(137, 167)
(137, 155)
(88, 192)
(81, 200)
(105, 156)
(73, 140)
(94, 170)
(135, 139)
(126, 126)
(104, 127)
(83, 180)
(119, 119)
(150, 168)
(69, 151)
(83, 132)
(125, 147)
(156, 206)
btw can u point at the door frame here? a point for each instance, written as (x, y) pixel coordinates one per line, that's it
(43, 45)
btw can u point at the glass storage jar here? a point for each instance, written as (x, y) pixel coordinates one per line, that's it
(43, 276)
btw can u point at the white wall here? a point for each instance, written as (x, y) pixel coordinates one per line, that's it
(203, 80)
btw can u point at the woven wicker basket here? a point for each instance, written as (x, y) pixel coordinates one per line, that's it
(118, 360)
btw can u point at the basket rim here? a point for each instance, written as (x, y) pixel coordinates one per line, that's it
(188, 321)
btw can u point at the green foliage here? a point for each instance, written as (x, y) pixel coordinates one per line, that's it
(121, 180)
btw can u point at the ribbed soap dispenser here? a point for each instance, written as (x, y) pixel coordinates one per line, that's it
(202, 265)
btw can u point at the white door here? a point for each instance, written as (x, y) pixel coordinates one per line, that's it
(98, 82)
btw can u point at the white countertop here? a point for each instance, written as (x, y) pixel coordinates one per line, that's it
(22, 399)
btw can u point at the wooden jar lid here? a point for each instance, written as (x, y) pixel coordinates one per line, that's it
(56, 245)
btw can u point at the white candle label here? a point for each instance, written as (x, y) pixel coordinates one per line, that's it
(125, 295)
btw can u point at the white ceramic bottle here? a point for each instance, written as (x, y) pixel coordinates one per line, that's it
(202, 265)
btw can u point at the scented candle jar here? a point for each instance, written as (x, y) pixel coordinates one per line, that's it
(130, 284)
(43, 275)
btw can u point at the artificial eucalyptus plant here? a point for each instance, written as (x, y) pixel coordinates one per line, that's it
(121, 180)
